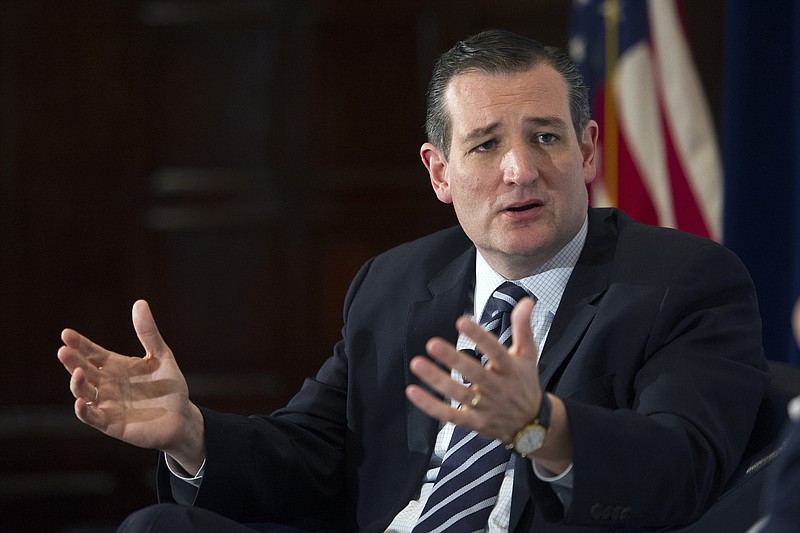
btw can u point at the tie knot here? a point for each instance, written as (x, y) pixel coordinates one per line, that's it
(505, 297)
(496, 316)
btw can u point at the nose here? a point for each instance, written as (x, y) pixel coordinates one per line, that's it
(519, 166)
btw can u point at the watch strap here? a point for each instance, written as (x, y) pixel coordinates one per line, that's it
(545, 408)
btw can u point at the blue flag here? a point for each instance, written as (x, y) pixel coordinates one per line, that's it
(760, 137)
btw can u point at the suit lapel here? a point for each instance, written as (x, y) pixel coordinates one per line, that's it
(588, 282)
(435, 316)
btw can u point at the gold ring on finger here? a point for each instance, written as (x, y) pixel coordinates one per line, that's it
(96, 396)
(475, 400)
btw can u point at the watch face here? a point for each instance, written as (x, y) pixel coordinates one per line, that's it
(531, 440)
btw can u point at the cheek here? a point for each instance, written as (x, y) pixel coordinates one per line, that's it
(468, 202)
(468, 198)
(575, 200)
(474, 190)
(469, 186)
(572, 180)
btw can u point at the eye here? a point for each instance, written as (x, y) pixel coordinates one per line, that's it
(485, 146)
(546, 138)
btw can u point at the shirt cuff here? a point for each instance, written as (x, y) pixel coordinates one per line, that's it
(178, 471)
(563, 479)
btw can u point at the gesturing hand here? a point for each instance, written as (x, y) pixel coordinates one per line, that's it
(139, 400)
(508, 384)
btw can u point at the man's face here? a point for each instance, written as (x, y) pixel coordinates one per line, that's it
(516, 173)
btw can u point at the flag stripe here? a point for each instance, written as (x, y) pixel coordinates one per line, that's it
(687, 211)
(642, 128)
(687, 114)
(660, 144)
(633, 194)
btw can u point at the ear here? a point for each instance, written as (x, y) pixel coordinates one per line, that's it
(436, 163)
(589, 150)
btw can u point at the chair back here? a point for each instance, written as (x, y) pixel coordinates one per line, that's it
(740, 507)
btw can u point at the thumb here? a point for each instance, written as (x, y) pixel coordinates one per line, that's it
(145, 326)
(523, 343)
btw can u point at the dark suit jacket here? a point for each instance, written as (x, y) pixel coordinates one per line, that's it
(655, 349)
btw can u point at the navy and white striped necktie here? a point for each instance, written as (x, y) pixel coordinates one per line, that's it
(473, 467)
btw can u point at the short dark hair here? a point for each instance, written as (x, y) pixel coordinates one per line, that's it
(499, 52)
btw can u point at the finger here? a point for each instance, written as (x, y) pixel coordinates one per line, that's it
(69, 358)
(73, 361)
(434, 407)
(522, 341)
(82, 387)
(464, 362)
(85, 349)
(496, 354)
(484, 341)
(92, 417)
(146, 330)
(439, 380)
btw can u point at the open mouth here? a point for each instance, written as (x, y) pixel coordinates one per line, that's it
(525, 207)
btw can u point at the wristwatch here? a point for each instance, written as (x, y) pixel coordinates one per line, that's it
(531, 437)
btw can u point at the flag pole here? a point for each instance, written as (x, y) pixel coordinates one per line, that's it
(610, 149)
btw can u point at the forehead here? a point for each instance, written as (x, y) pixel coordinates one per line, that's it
(476, 99)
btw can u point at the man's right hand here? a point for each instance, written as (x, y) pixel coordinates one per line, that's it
(139, 400)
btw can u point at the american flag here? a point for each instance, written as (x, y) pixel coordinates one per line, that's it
(659, 156)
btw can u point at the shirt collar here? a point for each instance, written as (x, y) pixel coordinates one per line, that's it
(547, 283)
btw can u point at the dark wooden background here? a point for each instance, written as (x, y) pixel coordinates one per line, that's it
(234, 162)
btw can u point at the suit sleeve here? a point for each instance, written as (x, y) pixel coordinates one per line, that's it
(275, 468)
(672, 410)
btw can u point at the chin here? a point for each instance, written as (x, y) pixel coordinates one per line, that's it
(527, 247)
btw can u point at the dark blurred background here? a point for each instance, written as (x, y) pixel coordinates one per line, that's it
(233, 162)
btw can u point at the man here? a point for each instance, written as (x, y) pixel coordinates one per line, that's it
(628, 390)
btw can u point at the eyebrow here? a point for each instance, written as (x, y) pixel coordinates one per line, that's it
(551, 121)
(483, 131)
(547, 121)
